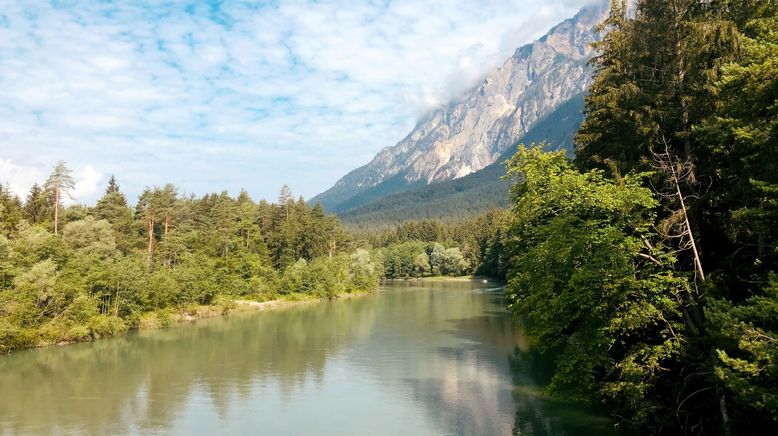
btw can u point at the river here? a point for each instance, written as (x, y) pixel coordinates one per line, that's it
(422, 358)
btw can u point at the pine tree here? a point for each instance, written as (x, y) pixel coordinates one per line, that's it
(10, 211)
(59, 184)
(113, 186)
(286, 199)
(36, 206)
(113, 208)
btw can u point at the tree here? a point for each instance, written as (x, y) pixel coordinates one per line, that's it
(113, 208)
(592, 285)
(113, 186)
(10, 211)
(689, 87)
(148, 211)
(36, 206)
(199, 251)
(453, 263)
(59, 184)
(166, 199)
(738, 148)
(285, 199)
(363, 273)
(90, 237)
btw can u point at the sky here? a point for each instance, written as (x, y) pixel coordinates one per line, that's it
(224, 95)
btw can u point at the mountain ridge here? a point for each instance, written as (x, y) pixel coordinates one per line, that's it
(474, 130)
(475, 193)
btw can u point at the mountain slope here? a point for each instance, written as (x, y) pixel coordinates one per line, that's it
(473, 131)
(474, 193)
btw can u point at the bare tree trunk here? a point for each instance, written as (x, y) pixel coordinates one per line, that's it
(692, 242)
(167, 223)
(333, 246)
(678, 171)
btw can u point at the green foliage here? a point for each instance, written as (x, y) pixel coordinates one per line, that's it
(690, 88)
(37, 209)
(471, 246)
(587, 282)
(418, 259)
(747, 350)
(90, 237)
(109, 270)
(10, 211)
(363, 272)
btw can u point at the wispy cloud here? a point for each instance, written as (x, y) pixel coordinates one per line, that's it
(222, 95)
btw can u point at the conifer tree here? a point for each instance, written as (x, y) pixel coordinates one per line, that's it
(58, 185)
(10, 210)
(36, 206)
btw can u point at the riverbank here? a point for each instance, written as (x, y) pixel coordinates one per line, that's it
(483, 279)
(166, 318)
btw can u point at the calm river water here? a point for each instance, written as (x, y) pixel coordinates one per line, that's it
(434, 358)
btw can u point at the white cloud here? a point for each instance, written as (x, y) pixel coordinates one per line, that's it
(296, 93)
(87, 184)
(19, 178)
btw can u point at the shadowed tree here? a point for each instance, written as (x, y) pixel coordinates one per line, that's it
(36, 206)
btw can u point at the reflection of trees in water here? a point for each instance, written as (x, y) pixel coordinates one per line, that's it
(144, 380)
(536, 415)
(490, 386)
(449, 349)
(464, 388)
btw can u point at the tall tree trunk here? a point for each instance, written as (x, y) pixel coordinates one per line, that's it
(333, 246)
(56, 210)
(151, 239)
(167, 223)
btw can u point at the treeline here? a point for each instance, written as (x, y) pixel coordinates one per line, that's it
(648, 265)
(473, 246)
(74, 273)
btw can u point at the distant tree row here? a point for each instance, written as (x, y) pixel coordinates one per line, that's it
(476, 245)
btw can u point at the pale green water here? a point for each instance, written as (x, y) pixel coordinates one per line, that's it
(423, 359)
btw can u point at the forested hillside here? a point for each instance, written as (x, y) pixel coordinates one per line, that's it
(647, 266)
(475, 193)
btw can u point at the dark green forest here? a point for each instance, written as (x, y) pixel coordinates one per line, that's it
(648, 264)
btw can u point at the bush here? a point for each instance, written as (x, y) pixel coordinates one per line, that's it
(106, 325)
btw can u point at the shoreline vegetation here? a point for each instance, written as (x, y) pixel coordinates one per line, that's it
(464, 278)
(170, 317)
(165, 318)
(78, 273)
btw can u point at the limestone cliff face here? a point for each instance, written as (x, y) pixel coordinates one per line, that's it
(474, 130)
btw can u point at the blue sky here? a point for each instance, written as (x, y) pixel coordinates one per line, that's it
(214, 95)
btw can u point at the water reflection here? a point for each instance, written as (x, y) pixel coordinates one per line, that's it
(438, 358)
(141, 382)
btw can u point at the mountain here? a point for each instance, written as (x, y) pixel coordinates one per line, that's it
(475, 193)
(475, 130)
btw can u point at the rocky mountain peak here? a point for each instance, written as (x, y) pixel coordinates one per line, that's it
(474, 130)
